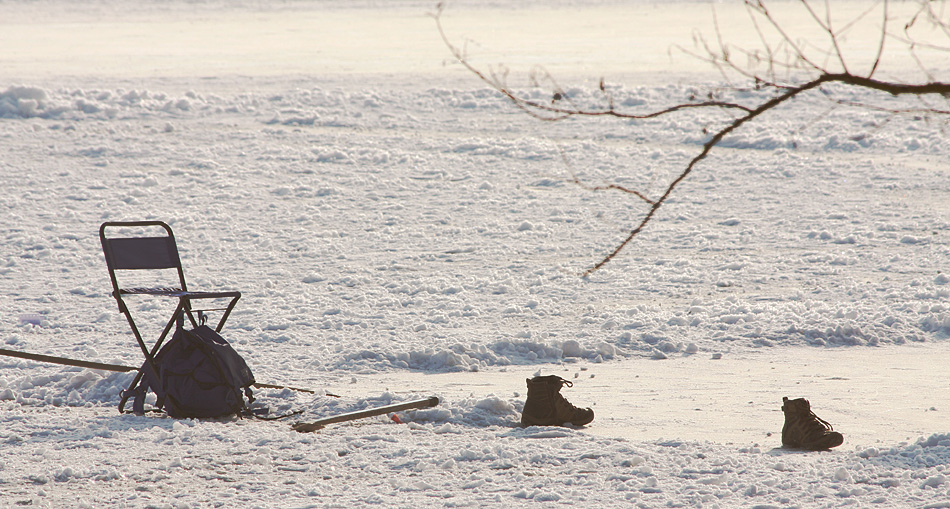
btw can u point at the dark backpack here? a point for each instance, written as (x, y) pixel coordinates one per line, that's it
(196, 374)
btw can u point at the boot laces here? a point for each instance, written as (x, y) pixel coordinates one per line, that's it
(812, 422)
(560, 397)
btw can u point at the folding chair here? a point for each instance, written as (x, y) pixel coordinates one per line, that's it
(154, 253)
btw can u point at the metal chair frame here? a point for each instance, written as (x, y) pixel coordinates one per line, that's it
(154, 253)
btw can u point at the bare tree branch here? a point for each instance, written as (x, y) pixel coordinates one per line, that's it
(707, 147)
(789, 72)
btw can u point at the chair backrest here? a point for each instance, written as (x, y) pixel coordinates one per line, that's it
(140, 253)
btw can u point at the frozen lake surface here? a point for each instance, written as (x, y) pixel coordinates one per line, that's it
(399, 230)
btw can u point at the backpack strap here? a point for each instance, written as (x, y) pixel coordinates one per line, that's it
(150, 380)
(126, 394)
(138, 404)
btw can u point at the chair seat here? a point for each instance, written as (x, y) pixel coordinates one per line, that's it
(168, 292)
(176, 292)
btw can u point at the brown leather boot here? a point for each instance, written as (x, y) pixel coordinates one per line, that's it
(546, 407)
(805, 430)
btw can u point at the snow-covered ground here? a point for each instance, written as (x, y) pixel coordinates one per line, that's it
(398, 231)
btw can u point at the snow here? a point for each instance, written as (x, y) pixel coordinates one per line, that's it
(399, 231)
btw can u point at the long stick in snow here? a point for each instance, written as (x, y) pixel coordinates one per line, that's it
(307, 427)
(67, 362)
(115, 367)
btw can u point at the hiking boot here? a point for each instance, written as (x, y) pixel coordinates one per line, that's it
(805, 430)
(546, 407)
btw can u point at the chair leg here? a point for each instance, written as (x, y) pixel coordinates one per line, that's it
(177, 319)
(227, 313)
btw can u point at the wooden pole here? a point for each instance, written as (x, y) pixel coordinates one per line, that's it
(307, 427)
